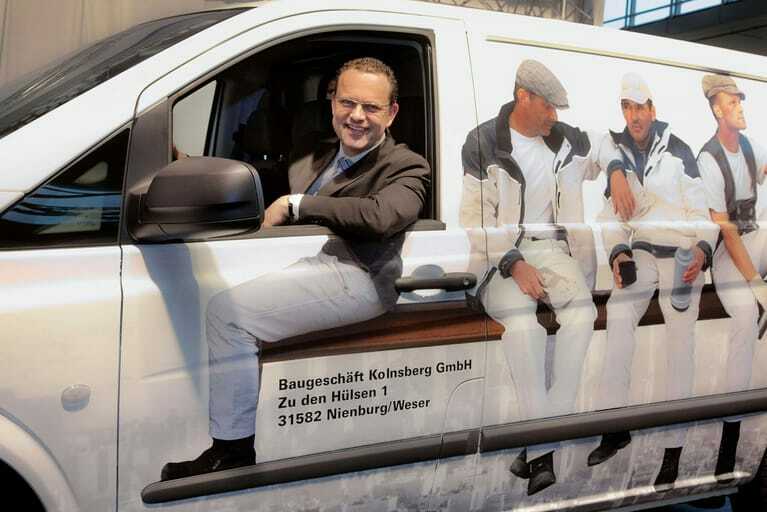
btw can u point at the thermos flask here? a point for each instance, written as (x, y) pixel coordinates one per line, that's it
(680, 294)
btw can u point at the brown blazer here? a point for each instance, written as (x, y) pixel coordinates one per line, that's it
(369, 206)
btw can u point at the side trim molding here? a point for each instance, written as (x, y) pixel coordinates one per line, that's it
(406, 451)
(637, 417)
(453, 444)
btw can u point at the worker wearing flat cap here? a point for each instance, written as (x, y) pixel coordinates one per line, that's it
(671, 212)
(732, 164)
(526, 168)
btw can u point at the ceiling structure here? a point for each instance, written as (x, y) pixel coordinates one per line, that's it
(739, 25)
(581, 11)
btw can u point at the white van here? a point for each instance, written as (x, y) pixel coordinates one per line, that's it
(105, 282)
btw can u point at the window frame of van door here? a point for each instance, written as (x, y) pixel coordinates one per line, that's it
(150, 150)
(153, 135)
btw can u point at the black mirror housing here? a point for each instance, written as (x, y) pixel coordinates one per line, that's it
(200, 198)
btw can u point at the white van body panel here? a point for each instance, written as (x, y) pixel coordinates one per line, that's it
(64, 369)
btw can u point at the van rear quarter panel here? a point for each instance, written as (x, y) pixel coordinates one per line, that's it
(590, 63)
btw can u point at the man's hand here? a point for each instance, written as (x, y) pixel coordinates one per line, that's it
(759, 289)
(692, 271)
(178, 155)
(616, 270)
(623, 199)
(528, 279)
(277, 213)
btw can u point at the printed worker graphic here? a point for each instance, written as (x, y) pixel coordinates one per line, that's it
(731, 165)
(527, 169)
(367, 189)
(665, 245)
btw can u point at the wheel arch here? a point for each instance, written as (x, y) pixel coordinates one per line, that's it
(23, 455)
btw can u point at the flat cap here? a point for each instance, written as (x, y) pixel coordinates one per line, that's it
(713, 84)
(538, 79)
(634, 88)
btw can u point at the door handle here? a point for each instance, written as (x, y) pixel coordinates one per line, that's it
(450, 282)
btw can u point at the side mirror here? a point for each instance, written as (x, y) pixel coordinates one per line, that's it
(200, 198)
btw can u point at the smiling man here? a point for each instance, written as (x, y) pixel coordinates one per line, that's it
(364, 187)
(732, 165)
(671, 211)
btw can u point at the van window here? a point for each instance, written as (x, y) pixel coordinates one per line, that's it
(81, 206)
(264, 105)
(191, 117)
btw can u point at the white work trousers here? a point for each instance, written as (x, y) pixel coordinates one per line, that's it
(625, 309)
(524, 339)
(739, 303)
(314, 293)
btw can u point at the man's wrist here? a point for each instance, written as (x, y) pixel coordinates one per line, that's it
(508, 261)
(615, 165)
(708, 254)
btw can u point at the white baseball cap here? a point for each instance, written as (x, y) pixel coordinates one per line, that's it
(634, 88)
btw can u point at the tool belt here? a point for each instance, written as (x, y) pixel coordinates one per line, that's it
(659, 251)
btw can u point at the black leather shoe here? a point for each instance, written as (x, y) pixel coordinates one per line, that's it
(541, 473)
(669, 470)
(519, 467)
(728, 448)
(222, 455)
(608, 446)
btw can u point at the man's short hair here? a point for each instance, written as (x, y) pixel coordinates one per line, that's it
(375, 66)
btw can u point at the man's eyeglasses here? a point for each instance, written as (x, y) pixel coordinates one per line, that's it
(349, 105)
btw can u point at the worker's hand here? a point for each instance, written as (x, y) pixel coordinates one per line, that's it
(616, 268)
(177, 154)
(277, 213)
(694, 268)
(623, 199)
(759, 289)
(528, 279)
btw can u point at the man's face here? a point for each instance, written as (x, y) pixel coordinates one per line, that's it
(639, 119)
(361, 110)
(540, 114)
(729, 109)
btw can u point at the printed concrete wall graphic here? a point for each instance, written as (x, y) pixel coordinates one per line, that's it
(663, 186)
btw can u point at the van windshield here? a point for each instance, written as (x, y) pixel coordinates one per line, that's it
(39, 92)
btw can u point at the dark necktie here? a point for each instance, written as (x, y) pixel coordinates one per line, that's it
(342, 164)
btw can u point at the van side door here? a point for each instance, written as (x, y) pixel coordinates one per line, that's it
(368, 406)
